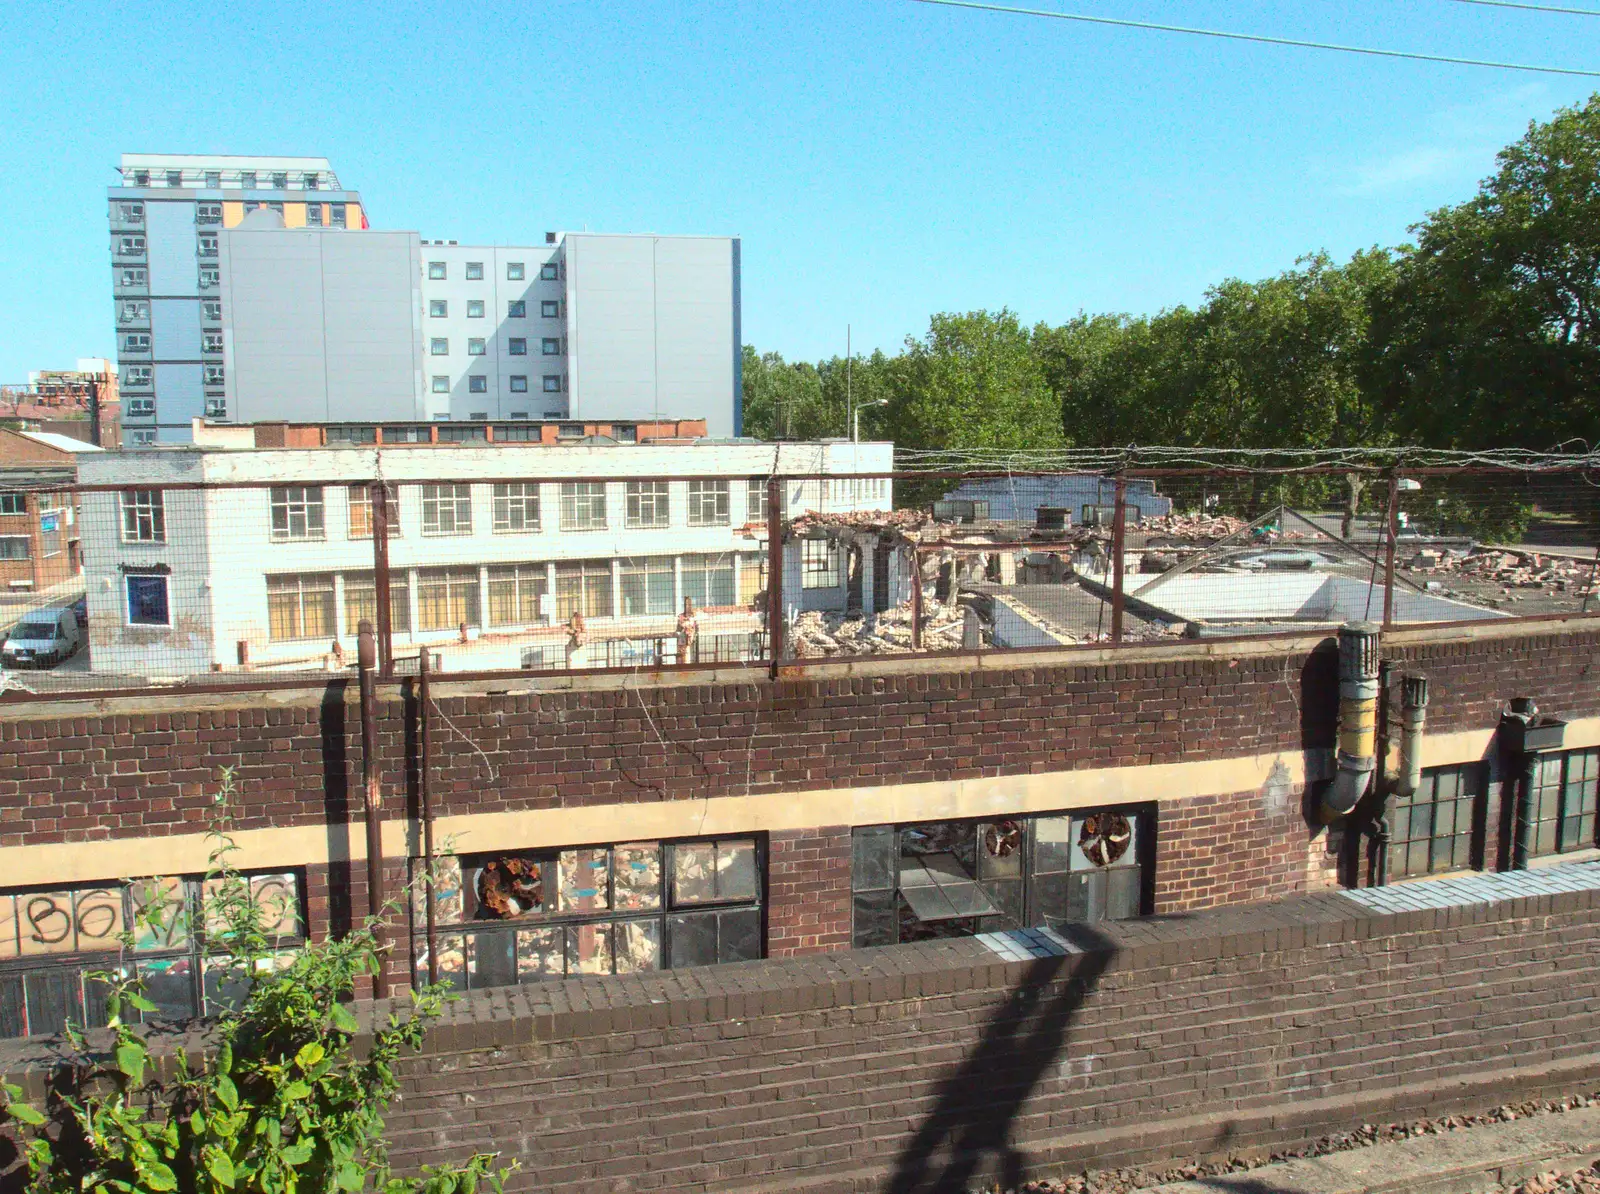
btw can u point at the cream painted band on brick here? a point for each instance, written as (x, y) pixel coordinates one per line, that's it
(772, 812)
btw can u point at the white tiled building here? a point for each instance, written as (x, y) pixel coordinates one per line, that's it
(496, 546)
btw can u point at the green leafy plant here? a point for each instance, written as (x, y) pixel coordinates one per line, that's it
(288, 1095)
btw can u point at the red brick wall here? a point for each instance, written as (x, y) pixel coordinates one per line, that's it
(808, 891)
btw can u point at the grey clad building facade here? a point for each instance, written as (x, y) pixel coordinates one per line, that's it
(253, 300)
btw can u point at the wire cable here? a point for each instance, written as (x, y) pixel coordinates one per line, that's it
(1261, 38)
(1575, 12)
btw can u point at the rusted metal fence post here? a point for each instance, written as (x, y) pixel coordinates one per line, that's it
(1119, 543)
(425, 798)
(367, 658)
(775, 572)
(1392, 523)
(379, 498)
(916, 600)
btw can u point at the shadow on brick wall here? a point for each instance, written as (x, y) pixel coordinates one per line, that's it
(969, 1131)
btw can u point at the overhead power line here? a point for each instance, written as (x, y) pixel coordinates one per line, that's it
(1256, 37)
(1576, 12)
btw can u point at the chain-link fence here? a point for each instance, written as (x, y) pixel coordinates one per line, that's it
(140, 586)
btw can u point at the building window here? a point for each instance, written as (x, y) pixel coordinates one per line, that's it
(210, 276)
(441, 383)
(213, 180)
(336, 215)
(211, 342)
(14, 547)
(517, 346)
(583, 506)
(519, 384)
(310, 181)
(247, 180)
(708, 580)
(437, 271)
(141, 437)
(708, 503)
(133, 277)
(533, 916)
(550, 346)
(144, 518)
(211, 310)
(208, 244)
(300, 607)
(216, 408)
(956, 878)
(297, 512)
(141, 408)
(583, 587)
(516, 595)
(648, 504)
(477, 383)
(647, 587)
(755, 500)
(462, 434)
(130, 213)
(280, 181)
(1560, 808)
(474, 271)
(174, 178)
(314, 215)
(447, 509)
(360, 520)
(438, 309)
(136, 342)
(516, 506)
(550, 271)
(147, 600)
(439, 346)
(361, 601)
(447, 598)
(819, 564)
(474, 308)
(625, 435)
(130, 246)
(1431, 830)
(552, 385)
(514, 271)
(214, 375)
(550, 308)
(208, 213)
(475, 347)
(516, 309)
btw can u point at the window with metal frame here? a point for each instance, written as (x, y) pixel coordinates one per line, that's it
(297, 513)
(359, 523)
(550, 309)
(583, 506)
(1432, 829)
(529, 916)
(361, 601)
(478, 383)
(15, 547)
(12, 502)
(516, 593)
(1561, 805)
(447, 509)
(514, 272)
(438, 309)
(447, 598)
(207, 244)
(708, 580)
(519, 385)
(300, 606)
(475, 346)
(208, 213)
(819, 564)
(474, 271)
(583, 587)
(647, 587)
(474, 308)
(708, 503)
(144, 516)
(516, 506)
(437, 271)
(649, 504)
(550, 346)
(149, 599)
(550, 272)
(52, 941)
(517, 346)
(914, 882)
(516, 309)
(755, 500)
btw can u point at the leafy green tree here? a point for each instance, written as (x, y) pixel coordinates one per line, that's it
(281, 1102)
(1491, 335)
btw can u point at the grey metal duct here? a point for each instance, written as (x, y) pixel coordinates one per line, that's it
(1358, 719)
(1413, 720)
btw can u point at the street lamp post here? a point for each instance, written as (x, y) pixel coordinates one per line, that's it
(855, 419)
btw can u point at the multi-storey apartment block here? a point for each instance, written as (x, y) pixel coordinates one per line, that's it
(167, 216)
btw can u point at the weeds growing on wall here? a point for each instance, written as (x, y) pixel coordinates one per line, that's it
(288, 1096)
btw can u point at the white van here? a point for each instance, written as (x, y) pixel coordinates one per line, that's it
(42, 638)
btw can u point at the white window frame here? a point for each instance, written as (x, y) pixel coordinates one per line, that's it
(583, 506)
(127, 604)
(298, 514)
(708, 504)
(649, 505)
(819, 564)
(447, 510)
(144, 516)
(516, 507)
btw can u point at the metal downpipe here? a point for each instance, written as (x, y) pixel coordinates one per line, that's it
(1358, 719)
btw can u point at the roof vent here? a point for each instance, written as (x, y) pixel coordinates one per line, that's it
(549, 238)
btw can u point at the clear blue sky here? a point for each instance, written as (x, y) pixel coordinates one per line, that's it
(881, 159)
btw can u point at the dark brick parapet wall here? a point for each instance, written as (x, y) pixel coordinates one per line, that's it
(89, 777)
(1232, 1029)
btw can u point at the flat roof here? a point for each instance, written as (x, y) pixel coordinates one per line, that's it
(140, 161)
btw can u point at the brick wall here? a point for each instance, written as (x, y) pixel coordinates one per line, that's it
(808, 891)
(1233, 1029)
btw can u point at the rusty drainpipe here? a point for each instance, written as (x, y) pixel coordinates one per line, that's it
(367, 658)
(425, 797)
(1358, 719)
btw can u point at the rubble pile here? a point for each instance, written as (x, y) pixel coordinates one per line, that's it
(1510, 569)
(816, 635)
(1193, 526)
